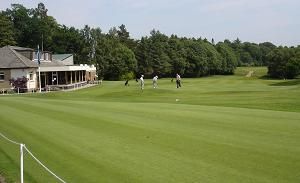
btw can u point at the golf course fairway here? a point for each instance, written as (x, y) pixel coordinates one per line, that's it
(213, 129)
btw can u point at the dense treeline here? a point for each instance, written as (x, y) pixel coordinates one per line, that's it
(118, 56)
(284, 63)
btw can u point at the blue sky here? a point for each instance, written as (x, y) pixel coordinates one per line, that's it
(257, 21)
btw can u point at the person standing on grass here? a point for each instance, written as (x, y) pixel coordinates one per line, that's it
(178, 81)
(155, 81)
(142, 82)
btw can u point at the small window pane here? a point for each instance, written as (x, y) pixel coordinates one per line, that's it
(1, 76)
(31, 76)
(46, 56)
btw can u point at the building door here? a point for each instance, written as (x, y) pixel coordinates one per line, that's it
(54, 78)
(43, 80)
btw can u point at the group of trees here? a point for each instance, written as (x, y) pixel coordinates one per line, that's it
(284, 62)
(118, 56)
(251, 54)
(166, 56)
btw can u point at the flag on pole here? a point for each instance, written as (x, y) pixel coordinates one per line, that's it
(38, 55)
(39, 62)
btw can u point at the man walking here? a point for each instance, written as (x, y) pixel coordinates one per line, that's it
(155, 81)
(178, 81)
(142, 82)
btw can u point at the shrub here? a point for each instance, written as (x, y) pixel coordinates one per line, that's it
(19, 84)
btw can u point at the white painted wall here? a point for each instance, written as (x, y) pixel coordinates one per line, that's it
(18, 73)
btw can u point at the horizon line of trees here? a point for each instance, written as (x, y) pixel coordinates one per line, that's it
(118, 56)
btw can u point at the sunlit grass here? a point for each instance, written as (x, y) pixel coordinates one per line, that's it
(213, 129)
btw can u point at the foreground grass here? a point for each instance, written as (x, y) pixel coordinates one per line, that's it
(221, 129)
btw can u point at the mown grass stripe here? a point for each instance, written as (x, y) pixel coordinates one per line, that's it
(222, 129)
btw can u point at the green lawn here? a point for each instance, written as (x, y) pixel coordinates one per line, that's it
(220, 129)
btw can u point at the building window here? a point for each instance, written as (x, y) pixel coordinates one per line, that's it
(35, 56)
(1, 76)
(46, 56)
(38, 54)
(31, 76)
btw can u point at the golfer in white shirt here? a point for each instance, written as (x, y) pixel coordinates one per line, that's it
(142, 82)
(155, 81)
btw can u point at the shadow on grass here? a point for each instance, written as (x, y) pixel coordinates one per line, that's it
(265, 77)
(290, 82)
(287, 83)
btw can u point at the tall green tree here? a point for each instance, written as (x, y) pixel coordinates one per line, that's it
(22, 24)
(255, 53)
(229, 60)
(196, 58)
(120, 62)
(6, 31)
(43, 27)
(266, 48)
(284, 63)
(177, 54)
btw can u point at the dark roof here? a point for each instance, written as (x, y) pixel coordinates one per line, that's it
(52, 63)
(61, 57)
(10, 58)
(21, 48)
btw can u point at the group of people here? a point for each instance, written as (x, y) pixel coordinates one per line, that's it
(154, 82)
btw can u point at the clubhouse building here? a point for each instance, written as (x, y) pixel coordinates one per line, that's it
(57, 71)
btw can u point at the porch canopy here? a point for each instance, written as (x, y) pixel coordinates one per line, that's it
(63, 75)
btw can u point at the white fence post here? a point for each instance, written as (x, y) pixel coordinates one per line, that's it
(24, 148)
(21, 169)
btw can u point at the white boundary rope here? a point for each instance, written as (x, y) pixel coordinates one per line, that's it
(37, 160)
(43, 165)
(9, 139)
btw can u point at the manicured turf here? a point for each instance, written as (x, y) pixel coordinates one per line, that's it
(220, 129)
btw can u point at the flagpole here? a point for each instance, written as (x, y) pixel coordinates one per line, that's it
(39, 62)
(42, 44)
(40, 85)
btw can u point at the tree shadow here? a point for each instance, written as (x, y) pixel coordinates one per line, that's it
(265, 77)
(287, 83)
